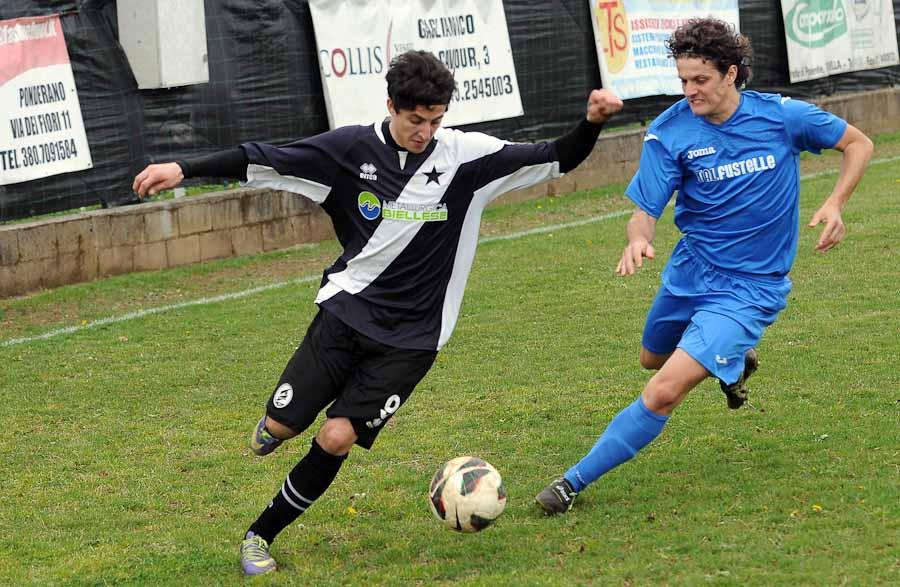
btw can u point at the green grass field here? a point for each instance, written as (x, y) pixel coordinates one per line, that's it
(124, 444)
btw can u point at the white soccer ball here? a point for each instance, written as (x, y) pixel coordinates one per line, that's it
(467, 494)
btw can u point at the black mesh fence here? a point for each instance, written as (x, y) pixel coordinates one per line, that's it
(264, 85)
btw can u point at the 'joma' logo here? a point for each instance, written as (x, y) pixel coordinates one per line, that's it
(701, 152)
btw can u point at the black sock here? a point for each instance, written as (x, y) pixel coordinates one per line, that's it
(304, 484)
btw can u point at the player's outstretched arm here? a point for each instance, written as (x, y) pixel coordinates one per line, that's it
(641, 230)
(857, 149)
(574, 147)
(157, 177)
(163, 176)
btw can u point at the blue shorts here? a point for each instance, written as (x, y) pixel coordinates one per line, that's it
(713, 316)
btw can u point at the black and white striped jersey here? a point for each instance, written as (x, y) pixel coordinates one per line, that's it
(408, 222)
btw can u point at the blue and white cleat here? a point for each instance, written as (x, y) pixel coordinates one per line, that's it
(261, 442)
(255, 559)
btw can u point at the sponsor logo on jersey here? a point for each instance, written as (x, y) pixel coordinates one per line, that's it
(415, 212)
(283, 395)
(721, 360)
(736, 168)
(369, 205)
(368, 171)
(694, 153)
(371, 208)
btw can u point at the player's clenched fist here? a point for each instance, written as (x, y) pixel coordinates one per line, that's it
(602, 104)
(157, 177)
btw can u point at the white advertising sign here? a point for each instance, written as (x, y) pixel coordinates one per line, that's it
(826, 37)
(357, 39)
(631, 35)
(41, 130)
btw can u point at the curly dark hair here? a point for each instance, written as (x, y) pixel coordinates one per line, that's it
(716, 41)
(418, 78)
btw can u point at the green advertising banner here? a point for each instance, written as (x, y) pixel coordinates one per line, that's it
(827, 37)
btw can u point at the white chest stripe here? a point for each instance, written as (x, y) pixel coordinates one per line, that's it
(468, 238)
(392, 236)
(260, 176)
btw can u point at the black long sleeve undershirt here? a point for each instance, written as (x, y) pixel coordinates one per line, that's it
(573, 147)
(231, 163)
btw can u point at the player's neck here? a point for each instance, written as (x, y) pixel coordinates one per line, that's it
(389, 137)
(727, 107)
(392, 133)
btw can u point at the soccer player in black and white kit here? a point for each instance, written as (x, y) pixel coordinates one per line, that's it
(406, 198)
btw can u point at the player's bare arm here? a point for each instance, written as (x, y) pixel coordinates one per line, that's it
(857, 150)
(641, 230)
(602, 104)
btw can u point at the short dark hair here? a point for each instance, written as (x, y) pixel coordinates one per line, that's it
(418, 78)
(716, 41)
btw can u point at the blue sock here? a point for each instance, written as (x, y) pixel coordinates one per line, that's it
(630, 431)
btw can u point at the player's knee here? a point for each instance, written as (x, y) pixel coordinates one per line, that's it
(662, 396)
(336, 436)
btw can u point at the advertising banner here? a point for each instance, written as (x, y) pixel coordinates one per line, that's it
(41, 130)
(826, 37)
(630, 36)
(357, 39)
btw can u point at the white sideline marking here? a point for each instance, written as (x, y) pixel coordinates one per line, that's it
(159, 310)
(836, 171)
(551, 228)
(280, 284)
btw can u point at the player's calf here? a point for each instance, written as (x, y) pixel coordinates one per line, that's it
(736, 394)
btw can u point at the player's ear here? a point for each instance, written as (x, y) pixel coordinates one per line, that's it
(732, 73)
(390, 107)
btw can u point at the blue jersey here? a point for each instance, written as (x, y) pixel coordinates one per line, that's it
(738, 183)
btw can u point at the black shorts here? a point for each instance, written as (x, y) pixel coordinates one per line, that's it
(363, 380)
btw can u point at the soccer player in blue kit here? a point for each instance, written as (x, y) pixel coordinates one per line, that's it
(405, 197)
(733, 157)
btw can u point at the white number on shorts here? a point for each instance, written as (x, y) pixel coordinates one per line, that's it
(390, 406)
